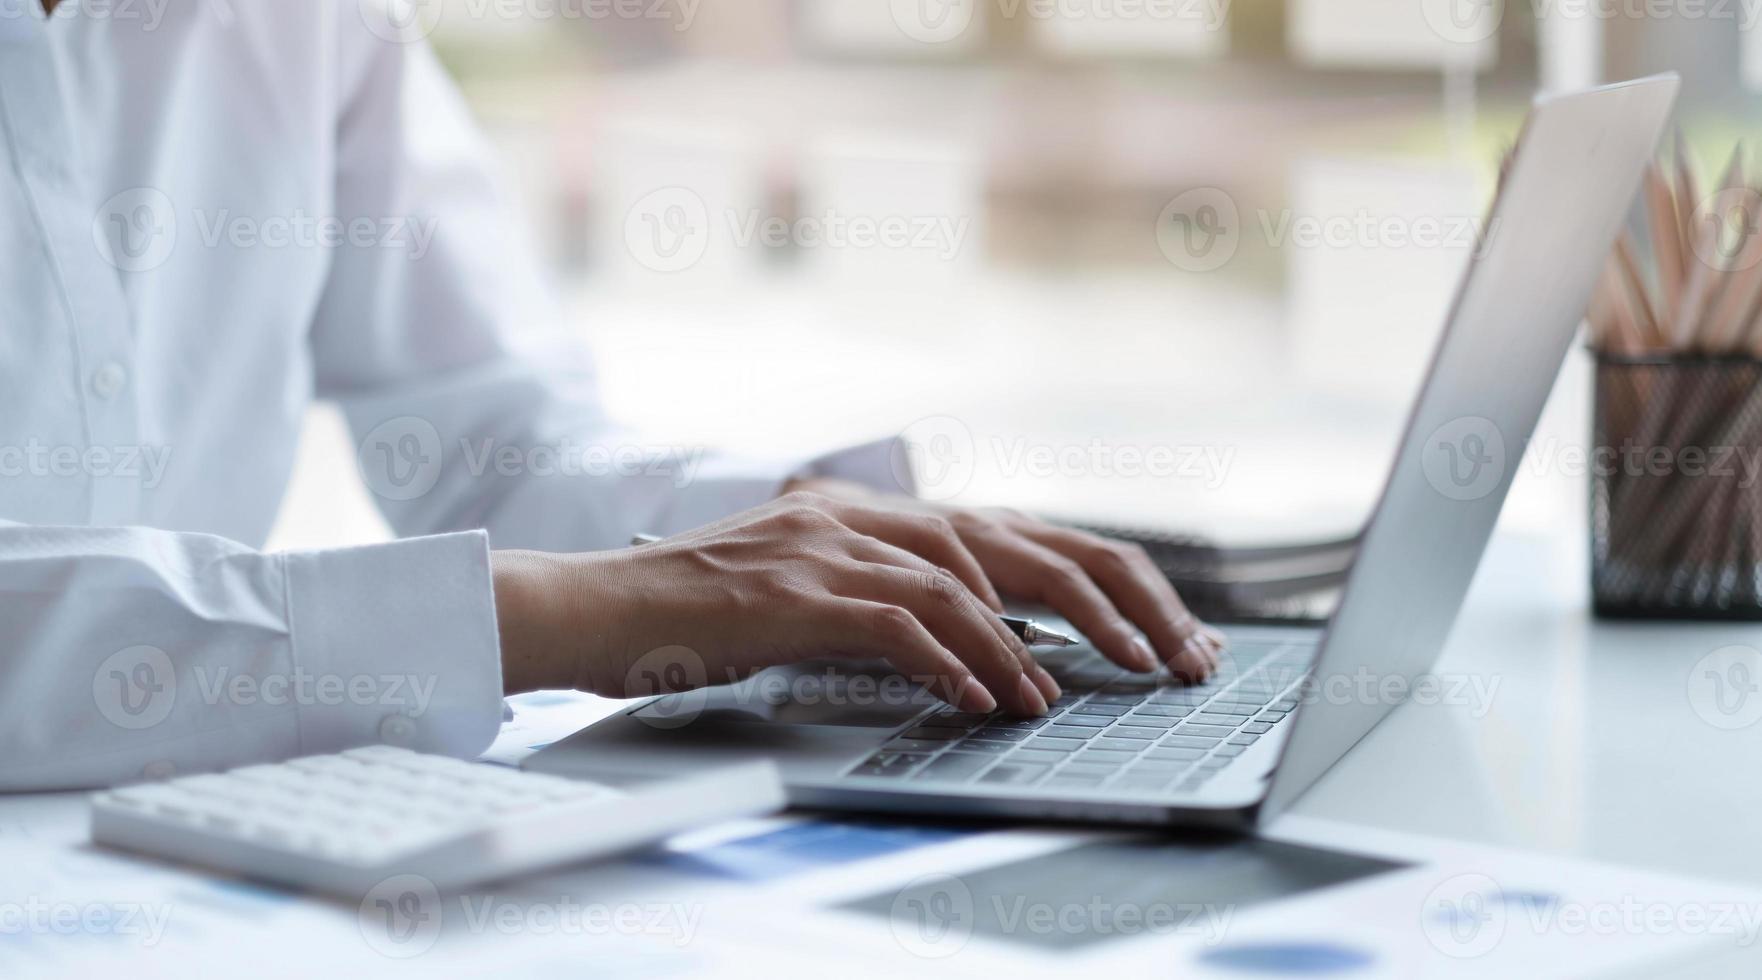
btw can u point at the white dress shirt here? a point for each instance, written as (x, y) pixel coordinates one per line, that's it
(213, 212)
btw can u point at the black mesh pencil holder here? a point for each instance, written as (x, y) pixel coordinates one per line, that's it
(1676, 510)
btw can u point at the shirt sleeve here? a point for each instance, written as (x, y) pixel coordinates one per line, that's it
(468, 410)
(210, 655)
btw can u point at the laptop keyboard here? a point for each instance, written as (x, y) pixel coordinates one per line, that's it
(1112, 729)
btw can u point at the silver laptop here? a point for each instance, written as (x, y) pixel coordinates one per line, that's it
(1127, 748)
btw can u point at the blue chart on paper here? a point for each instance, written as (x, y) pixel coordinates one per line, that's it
(1289, 959)
(803, 847)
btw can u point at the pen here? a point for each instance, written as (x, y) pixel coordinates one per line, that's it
(1032, 633)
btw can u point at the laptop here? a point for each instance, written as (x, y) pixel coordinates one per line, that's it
(1289, 701)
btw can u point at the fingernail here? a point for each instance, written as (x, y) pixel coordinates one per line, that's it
(1215, 635)
(1199, 656)
(1143, 657)
(976, 699)
(1031, 698)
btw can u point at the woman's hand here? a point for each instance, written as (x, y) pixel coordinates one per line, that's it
(808, 576)
(800, 578)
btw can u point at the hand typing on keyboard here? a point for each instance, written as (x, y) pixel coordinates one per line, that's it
(807, 576)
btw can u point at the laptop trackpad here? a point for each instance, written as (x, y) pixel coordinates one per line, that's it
(839, 694)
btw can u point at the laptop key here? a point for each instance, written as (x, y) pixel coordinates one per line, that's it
(1128, 699)
(1088, 769)
(943, 734)
(983, 748)
(954, 719)
(1127, 731)
(1011, 774)
(1021, 724)
(1212, 731)
(1131, 745)
(1156, 767)
(1188, 742)
(1257, 727)
(1040, 758)
(1226, 721)
(1070, 731)
(1171, 754)
(1240, 739)
(1165, 710)
(1045, 744)
(1226, 708)
(1087, 721)
(1114, 710)
(955, 767)
(995, 734)
(923, 745)
(1229, 751)
(1150, 721)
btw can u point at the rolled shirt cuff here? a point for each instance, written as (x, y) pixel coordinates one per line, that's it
(399, 644)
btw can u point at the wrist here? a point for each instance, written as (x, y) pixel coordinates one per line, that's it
(533, 621)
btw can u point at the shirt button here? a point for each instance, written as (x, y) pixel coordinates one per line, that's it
(159, 770)
(109, 379)
(397, 730)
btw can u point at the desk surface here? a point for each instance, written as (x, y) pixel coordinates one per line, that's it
(1600, 740)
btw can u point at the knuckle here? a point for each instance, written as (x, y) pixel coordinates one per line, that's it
(944, 589)
(1066, 574)
(892, 621)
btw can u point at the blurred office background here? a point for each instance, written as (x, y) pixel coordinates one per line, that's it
(1216, 238)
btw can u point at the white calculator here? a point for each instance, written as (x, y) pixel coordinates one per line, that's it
(342, 824)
